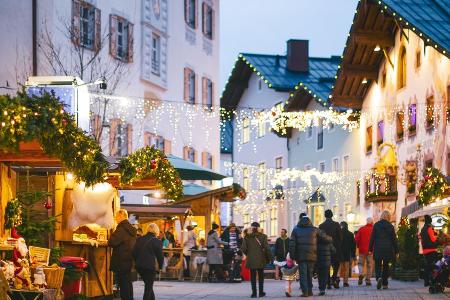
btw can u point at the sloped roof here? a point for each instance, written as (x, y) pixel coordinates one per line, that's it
(272, 68)
(431, 17)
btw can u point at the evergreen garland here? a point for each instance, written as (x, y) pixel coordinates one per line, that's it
(25, 118)
(432, 186)
(13, 213)
(150, 161)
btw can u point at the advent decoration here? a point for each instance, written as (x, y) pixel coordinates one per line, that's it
(432, 186)
(25, 118)
(150, 161)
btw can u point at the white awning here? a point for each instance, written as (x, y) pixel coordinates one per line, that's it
(427, 210)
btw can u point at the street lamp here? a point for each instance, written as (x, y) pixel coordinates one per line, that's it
(351, 217)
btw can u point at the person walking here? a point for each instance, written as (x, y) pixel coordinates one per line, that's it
(122, 241)
(232, 236)
(333, 229)
(383, 245)
(214, 253)
(303, 249)
(258, 255)
(365, 258)
(189, 243)
(429, 248)
(348, 252)
(148, 257)
(325, 249)
(281, 251)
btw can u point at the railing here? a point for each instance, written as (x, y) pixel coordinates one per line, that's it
(381, 188)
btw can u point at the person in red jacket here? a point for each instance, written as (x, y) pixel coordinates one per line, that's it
(362, 240)
(429, 246)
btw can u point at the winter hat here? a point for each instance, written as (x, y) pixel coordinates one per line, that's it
(215, 226)
(328, 214)
(428, 219)
(255, 224)
(302, 215)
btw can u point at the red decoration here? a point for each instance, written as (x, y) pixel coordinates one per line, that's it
(48, 204)
(153, 164)
(138, 170)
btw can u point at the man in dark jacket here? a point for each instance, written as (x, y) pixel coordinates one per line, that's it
(348, 252)
(383, 245)
(333, 229)
(324, 251)
(303, 249)
(429, 247)
(281, 250)
(122, 242)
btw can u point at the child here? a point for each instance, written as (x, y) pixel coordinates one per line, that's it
(290, 274)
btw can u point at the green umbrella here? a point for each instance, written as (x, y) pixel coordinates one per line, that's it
(191, 171)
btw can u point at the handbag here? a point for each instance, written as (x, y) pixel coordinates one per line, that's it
(267, 254)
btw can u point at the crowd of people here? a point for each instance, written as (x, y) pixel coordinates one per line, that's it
(330, 252)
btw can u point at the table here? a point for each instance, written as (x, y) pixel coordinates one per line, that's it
(198, 260)
(176, 269)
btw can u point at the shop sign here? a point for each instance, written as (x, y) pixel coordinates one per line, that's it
(438, 220)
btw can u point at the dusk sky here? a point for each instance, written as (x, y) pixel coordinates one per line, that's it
(264, 26)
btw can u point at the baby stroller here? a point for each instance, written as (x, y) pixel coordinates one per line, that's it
(235, 267)
(440, 276)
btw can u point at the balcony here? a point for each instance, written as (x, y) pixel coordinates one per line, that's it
(381, 188)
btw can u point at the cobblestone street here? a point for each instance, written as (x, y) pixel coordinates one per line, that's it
(275, 290)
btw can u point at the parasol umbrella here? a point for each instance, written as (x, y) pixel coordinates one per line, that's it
(191, 171)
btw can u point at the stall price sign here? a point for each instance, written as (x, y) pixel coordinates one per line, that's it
(39, 255)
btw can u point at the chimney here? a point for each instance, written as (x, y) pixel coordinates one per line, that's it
(297, 56)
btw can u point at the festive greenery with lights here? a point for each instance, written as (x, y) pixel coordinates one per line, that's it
(149, 161)
(13, 213)
(408, 245)
(25, 118)
(432, 186)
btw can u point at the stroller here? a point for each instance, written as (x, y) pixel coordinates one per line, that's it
(234, 267)
(440, 275)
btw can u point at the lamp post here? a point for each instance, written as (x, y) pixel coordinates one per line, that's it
(351, 217)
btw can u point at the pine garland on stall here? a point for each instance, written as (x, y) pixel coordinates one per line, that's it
(432, 186)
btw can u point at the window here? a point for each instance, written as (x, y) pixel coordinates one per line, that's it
(121, 38)
(96, 127)
(412, 111)
(428, 164)
(156, 54)
(369, 139)
(246, 220)
(335, 165)
(86, 25)
(262, 176)
(320, 137)
(207, 160)
(322, 167)
(207, 91)
(261, 127)
(418, 59)
(317, 213)
(380, 132)
(189, 86)
(278, 164)
(189, 154)
(346, 165)
(273, 221)
(400, 118)
(246, 179)
(309, 132)
(123, 139)
(158, 142)
(262, 220)
(429, 112)
(245, 130)
(208, 20)
(401, 68)
(190, 13)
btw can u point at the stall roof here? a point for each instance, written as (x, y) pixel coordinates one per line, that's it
(142, 210)
(427, 211)
(194, 191)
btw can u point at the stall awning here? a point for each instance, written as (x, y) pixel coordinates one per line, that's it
(192, 171)
(411, 208)
(428, 210)
(141, 210)
(194, 191)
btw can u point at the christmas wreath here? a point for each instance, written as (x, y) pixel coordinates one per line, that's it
(150, 161)
(432, 186)
(25, 118)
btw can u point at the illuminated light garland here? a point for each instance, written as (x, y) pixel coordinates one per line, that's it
(432, 186)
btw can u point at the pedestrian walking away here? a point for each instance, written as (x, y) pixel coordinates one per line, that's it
(148, 257)
(365, 258)
(348, 252)
(429, 248)
(258, 255)
(303, 249)
(122, 241)
(214, 253)
(190, 242)
(333, 229)
(281, 251)
(383, 245)
(325, 249)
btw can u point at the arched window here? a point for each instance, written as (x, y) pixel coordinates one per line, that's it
(401, 68)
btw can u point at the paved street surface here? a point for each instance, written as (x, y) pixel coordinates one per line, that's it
(275, 290)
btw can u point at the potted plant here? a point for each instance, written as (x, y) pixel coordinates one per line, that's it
(407, 267)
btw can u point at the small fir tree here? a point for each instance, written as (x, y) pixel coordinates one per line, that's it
(408, 245)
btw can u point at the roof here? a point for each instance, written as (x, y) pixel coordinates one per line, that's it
(162, 210)
(272, 69)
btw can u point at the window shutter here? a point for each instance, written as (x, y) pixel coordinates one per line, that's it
(97, 30)
(130, 42)
(196, 14)
(75, 34)
(113, 35)
(213, 21)
(195, 86)
(213, 163)
(195, 156)
(185, 152)
(186, 10)
(204, 158)
(212, 95)
(129, 138)
(96, 126)
(204, 11)
(204, 90)
(186, 84)
(113, 130)
(167, 147)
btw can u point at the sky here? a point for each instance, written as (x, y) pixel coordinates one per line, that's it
(264, 26)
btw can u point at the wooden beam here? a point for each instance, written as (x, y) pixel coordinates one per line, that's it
(347, 101)
(362, 71)
(373, 38)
